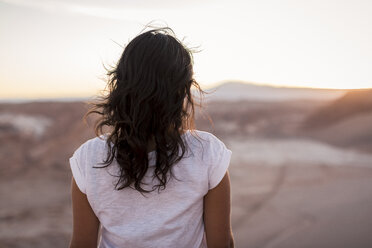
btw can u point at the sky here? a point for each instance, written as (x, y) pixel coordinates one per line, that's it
(51, 48)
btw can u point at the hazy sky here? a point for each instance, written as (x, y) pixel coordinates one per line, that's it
(51, 48)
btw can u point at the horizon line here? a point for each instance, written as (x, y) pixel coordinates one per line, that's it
(209, 87)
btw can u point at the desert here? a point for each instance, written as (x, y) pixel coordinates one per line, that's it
(301, 167)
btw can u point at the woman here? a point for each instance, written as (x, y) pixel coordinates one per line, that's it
(153, 180)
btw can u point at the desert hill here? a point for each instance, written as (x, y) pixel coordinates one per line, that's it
(353, 103)
(346, 121)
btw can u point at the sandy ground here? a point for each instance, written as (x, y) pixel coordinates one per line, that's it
(274, 205)
(288, 190)
(312, 206)
(298, 202)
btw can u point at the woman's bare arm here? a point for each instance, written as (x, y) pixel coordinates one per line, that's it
(217, 211)
(85, 222)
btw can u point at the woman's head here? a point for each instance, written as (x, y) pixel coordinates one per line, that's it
(153, 77)
(149, 98)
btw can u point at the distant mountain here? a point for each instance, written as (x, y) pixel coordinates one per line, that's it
(346, 121)
(353, 103)
(235, 91)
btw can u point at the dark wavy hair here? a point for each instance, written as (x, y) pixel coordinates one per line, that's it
(149, 99)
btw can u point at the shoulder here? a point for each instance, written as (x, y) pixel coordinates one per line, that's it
(86, 155)
(96, 141)
(208, 145)
(205, 136)
(91, 146)
(215, 155)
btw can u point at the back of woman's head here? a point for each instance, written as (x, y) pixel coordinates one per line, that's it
(149, 99)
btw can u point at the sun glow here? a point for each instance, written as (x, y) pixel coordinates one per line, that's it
(59, 48)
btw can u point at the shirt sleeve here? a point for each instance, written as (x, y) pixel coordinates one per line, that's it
(220, 162)
(78, 169)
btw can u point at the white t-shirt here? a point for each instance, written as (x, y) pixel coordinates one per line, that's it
(170, 218)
